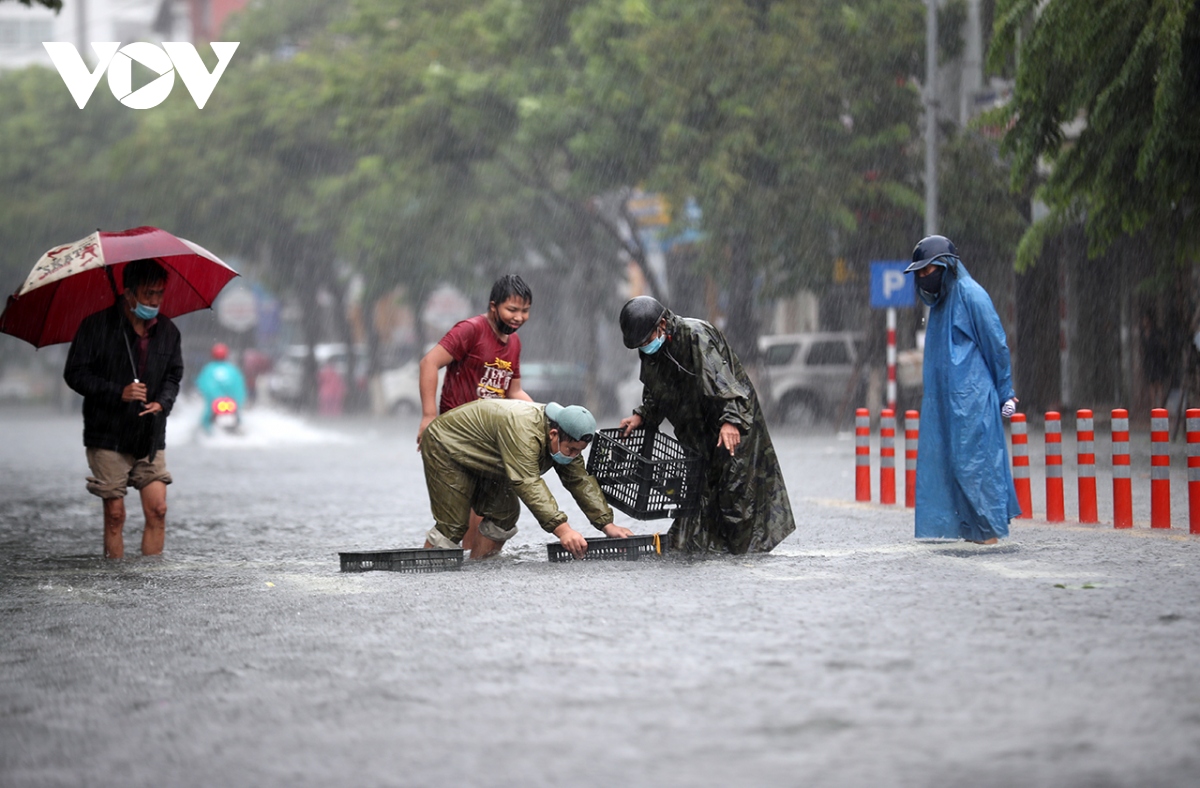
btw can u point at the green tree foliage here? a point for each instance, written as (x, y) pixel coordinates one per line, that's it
(255, 175)
(980, 212)
(1108, 96)
(416, 141)
(56, 161)
(877, 48)
(473, 125)
(789, 124)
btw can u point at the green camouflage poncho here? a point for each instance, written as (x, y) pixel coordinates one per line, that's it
(695, 382)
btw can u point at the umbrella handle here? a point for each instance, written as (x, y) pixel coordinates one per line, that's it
(129, 350)
(117, 298)
(112, 282)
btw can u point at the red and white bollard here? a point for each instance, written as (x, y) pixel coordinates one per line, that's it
(1121, 476)
(1160, 469)
(887, 456)
(1020, 465)
(862, 454)
(1193, 465)
(912, 428)
(1054, 480)
(1085, 452)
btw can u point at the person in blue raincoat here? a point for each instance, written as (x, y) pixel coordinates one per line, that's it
(220, 378)
(964, 484)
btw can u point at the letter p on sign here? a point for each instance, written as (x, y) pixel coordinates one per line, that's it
(893, 282)
(890, 286)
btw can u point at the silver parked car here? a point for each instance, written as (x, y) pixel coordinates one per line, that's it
(810, 377)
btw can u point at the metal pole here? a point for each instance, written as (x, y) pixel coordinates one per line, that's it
(972, 79)
(891, 357)
(931, 104)
(81, 33)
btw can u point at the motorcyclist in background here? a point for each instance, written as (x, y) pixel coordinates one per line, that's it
(220, 378)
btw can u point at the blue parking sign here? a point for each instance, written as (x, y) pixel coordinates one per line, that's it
(890, 286)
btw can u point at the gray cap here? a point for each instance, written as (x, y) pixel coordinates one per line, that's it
(575, 420)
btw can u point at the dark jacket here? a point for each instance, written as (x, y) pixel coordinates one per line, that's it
(99, 368)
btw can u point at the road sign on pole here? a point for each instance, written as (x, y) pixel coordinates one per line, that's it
(890, 286)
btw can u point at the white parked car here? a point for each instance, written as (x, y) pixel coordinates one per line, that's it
(399, 389)
(808, 377)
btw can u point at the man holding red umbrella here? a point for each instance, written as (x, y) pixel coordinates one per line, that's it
(125, 357)
(127, 363)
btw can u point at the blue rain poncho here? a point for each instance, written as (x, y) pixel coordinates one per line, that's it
(221, 379)
(964, 484)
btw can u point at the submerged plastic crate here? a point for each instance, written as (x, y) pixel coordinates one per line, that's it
(647, 475)
(434, 559)
(603, 548)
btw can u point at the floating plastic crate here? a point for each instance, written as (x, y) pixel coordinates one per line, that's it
(434, 559)
(647, 475)
(603, 548)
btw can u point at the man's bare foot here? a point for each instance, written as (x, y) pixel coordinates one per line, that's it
(993, 540)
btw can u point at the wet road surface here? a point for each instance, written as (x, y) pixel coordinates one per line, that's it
(851, 656)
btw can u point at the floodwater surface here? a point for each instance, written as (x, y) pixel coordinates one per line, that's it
(850, 656)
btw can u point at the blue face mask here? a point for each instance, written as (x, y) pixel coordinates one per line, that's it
(650, 348)
(145, 312)
(560, 458)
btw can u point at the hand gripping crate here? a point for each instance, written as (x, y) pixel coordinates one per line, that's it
(434, 559)
(604, 548)
(647, 475)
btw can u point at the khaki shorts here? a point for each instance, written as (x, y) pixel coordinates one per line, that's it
(113, 472)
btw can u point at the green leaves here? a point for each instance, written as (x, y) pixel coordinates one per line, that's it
(1107, 96)
(425, 139)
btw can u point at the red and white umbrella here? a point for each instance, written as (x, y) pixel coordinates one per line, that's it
(74, 280)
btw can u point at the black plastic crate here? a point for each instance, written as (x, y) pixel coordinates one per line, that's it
(434, 559)
(647, 475)
(603, 548)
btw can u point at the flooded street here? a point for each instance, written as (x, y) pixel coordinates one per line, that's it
(850, 656)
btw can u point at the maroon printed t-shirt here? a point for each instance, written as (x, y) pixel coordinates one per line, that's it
(483, 366)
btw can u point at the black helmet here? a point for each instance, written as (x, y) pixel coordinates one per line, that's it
(930, 249)
(639, 318)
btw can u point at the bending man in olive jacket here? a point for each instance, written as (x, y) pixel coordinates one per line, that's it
(691, 378)
(489, 455)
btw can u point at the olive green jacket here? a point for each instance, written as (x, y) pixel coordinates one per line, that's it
(508, 440)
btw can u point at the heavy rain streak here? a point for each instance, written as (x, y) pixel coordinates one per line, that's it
(599, 392)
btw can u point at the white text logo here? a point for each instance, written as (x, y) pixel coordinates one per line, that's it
(118, 60)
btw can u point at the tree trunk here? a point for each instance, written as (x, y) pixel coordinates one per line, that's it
(741, 317)
(1037, 378)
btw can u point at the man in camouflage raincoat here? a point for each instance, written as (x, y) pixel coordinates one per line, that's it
(691, 378)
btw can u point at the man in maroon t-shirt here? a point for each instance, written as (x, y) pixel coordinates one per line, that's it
(483, 356)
